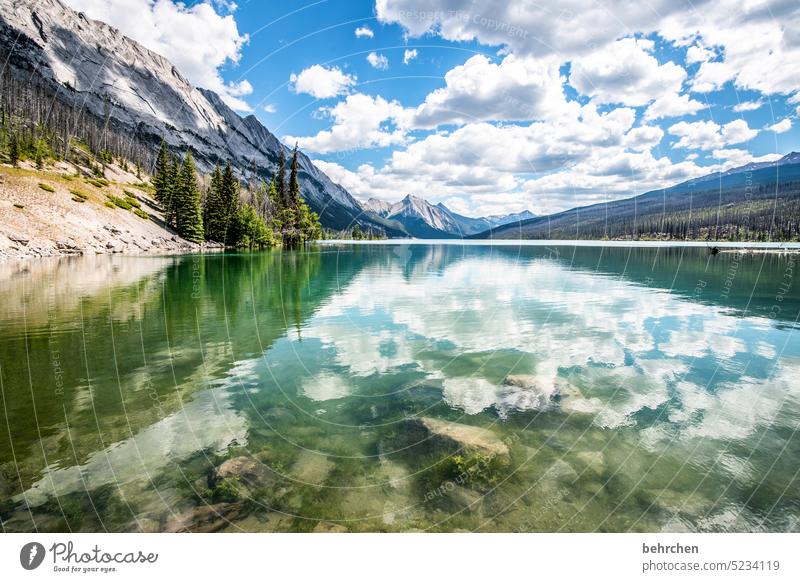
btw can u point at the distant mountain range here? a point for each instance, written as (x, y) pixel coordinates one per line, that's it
(140, 94)
(421, 219)
(757, 201)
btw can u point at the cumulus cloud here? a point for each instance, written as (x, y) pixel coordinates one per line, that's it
(707, 135)
(586, 156)
(514, 89)
(321, 82)
(409, 55)
(747, 106)
(626, 72)
(672, 105)
(751, 38)
(197, 39)
(364, 32)
(782, 126)
(360, 121)
(378, 61)
(568, 28)
(643, 138)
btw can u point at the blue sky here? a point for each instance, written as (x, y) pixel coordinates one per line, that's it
(499, 105)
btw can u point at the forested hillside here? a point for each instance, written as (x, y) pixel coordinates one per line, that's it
(759, 205)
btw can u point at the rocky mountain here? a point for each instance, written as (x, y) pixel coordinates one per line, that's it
(140, 93)
(501, 219)
(421, 219)
(757, 201)
(379, 207)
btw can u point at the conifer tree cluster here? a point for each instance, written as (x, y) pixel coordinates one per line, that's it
(274, 211)
(177, 191)
(291, 217)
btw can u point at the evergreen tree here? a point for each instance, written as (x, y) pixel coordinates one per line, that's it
(281, 177)
(13, 150)
(248, 230)
(39, 154)
(188, 214)
(214, 222)
(161, 175)
(294, 184)
(229, 202)
(170, 193)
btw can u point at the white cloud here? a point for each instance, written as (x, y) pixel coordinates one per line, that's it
(747, 38)
(697, 53)
(782, 126)
(378, 61)
(757, 50)
(626, 72)
(643, 138)
(747, 106)
(409, 55)
(586, 158)
(322, 82)
(568, 28)
(360, 121)
(270, 108)
(734, 157)
(196, 39)
(672, 105)
(707, 135)
(479, 90)
(712, 76)
(364, 32)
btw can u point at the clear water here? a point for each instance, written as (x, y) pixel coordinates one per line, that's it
(665, 390)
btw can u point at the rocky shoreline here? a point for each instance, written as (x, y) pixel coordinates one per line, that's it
(62, 212)
(117, 242)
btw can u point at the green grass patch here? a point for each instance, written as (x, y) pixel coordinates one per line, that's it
(78, 194)
(46, 187)
(141, 213)
(110, 204)
(130, 199)
(119, 202)
(98, 182)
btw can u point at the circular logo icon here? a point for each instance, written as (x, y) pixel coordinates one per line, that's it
(31, 555)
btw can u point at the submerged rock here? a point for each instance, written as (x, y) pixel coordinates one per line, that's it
(311, 468)
(594, 461)
(463, 436)
(247, 473)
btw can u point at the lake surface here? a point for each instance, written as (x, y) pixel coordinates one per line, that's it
(651, 389)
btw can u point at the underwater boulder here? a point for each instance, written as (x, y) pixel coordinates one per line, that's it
(461, 436)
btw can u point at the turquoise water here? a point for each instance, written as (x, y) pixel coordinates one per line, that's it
(651, 389)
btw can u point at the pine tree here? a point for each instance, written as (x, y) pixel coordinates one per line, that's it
(229, 202)
(188, 214)
(161, 174)
(294, 184)
(13, 150)
(281, 177)
(213, 221)
(172, 181)
(39, 154)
